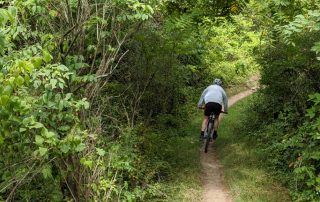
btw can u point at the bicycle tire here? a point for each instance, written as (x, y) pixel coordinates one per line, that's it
(207, 137)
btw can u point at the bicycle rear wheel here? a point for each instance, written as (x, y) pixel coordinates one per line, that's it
(207, 137)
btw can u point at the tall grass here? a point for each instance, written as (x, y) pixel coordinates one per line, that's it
(182, 153)
(245, 168)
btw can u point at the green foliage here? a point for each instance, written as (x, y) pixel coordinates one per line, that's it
(90, 88)
(231, 49)
(53, 70)
(39, 118)
(285, 118)
(306, 164)
(302, 24)
(206, 7)
(292, 152)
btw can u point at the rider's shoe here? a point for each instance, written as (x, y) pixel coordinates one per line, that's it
(201, 136)
(215, 135)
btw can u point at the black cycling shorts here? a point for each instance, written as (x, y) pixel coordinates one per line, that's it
(212, 107)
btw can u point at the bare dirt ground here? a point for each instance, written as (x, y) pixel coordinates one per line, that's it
(215, 189)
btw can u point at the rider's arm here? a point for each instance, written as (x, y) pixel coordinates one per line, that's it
(225, 100)
(202, 97)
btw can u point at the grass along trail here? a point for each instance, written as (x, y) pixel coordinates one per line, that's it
(246, 170)
(232, 170)
(214, 186)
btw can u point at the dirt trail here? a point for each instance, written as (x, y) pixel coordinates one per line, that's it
(214, 188)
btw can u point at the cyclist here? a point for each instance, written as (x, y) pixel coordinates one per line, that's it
(213, 97)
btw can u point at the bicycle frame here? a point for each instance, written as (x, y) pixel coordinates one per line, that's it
(209, 131)
(208, 134)
(210, 127)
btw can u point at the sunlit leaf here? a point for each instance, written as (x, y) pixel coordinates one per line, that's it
(39, 140)
(100, 152)
(43, 151)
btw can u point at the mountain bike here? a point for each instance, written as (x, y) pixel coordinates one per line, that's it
(208, 133)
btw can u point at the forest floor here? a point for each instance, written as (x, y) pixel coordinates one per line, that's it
(215, 189)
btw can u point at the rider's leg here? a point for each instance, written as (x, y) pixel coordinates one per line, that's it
(204, 125)
(218, 118)
(216, 123)
(215, 126)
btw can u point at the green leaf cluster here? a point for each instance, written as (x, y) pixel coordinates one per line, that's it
(232, 49)
(286, 109)
(39, 115)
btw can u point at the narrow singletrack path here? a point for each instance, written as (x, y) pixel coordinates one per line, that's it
(214, 188)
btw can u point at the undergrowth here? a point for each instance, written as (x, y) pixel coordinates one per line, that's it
(180, 149)
(246, 170)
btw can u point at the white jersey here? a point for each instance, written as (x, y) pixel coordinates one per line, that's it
(214, 93)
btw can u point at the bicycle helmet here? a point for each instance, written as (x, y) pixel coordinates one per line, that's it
(217, 81)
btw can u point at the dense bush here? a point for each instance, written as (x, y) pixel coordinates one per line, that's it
(231, 49)
(287, 111)
(49, 145)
